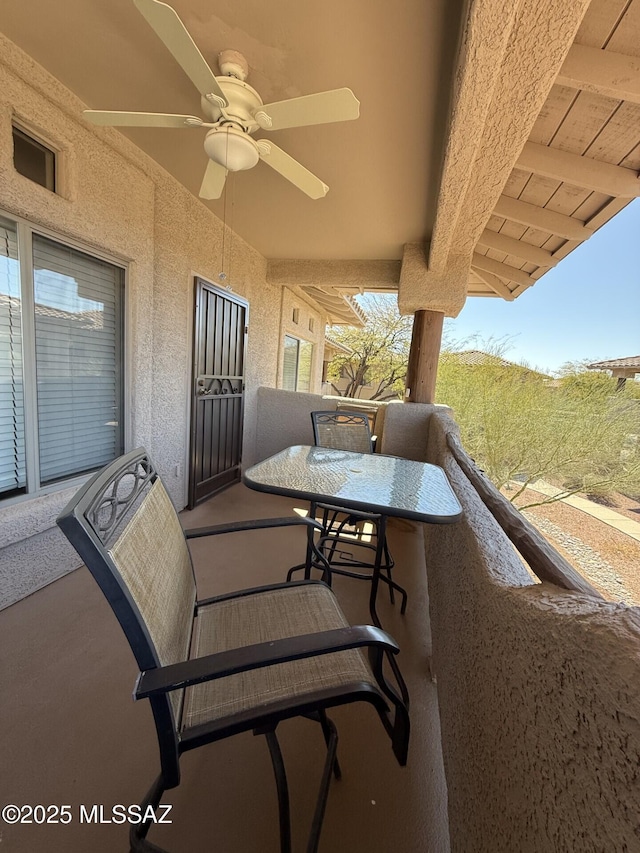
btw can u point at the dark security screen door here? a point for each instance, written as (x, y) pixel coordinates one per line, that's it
(218, 390)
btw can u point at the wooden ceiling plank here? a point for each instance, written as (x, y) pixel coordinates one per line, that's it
(604, 72)
(495, 284)
(607, 212)
(584, 122)
(554, 243)
(567, 199)
(618, 137)
(632, 160)
(514, 230)
(538, 217)
(516, 182)
(540, 191)
(593, 204)
(624, 39)
(525, 251)
(496, 222)
(483, 264)
(600, 22)
(533, 236)
(556, 107)
(579, 171)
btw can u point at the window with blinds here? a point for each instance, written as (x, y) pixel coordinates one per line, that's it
(68, 345)
(12, 447)
(296, 364)
(77, 329)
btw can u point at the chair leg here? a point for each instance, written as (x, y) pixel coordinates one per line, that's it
(283, 791)
(138, 832)
(331, 765)
(328, 729)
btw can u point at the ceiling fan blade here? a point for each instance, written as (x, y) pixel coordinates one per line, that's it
(169, 28)
(213, 181)
(321, 108)
(292, 170)
(124, 119)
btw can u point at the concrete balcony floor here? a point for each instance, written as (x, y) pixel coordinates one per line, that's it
(72, 735)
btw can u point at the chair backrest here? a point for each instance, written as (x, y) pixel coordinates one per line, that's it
(342, 430)
(124, 527)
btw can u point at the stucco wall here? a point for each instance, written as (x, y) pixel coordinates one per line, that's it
(283, 419)
(305, 313)
(539, 694)
(118, 201)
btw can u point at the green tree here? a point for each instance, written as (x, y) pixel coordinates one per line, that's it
(521, 426)
(378, 352)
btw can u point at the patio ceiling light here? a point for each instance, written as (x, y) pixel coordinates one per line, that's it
(231, 148)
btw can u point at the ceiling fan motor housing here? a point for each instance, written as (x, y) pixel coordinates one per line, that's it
(243, 100)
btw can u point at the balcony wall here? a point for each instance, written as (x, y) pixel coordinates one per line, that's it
(538, 689)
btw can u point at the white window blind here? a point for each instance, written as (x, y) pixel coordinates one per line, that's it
(78, 310)
(290, 363)
(296, 364)
(12, 443)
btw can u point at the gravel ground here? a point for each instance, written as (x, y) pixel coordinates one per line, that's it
(609, 559)
(582, 557)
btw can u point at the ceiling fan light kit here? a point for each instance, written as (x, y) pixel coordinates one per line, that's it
(234, 110)
(231, 148)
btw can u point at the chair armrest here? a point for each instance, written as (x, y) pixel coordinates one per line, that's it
(210, 667)
(252, 524)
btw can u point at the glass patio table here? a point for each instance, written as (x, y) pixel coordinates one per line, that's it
(388, 486)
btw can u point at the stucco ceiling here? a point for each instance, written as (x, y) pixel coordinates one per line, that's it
(493, 138)
(382, 169)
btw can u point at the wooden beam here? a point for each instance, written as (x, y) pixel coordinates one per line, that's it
(579, 171)
(604, 72)
(480, 262)
(538, 217)
(498, 286)
(422, 369)
(510, 246)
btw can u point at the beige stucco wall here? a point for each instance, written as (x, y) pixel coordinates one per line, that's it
(539, 694)
(292, 299)
(118, 201)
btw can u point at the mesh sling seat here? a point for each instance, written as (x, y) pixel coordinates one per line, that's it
(233, 663)
(343, 528)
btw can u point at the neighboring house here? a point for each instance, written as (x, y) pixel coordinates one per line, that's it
(620, 368)
(474, 357)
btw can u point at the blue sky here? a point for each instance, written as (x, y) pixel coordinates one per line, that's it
(588, 307)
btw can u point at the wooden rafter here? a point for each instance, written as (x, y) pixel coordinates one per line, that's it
(510, 246)
(579, 171)
(488, 265)
(496, 285)
(604, 72)
(538, 217)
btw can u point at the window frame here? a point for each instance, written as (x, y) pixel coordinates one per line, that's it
(31, 134)
(298, 341)
(25, 231)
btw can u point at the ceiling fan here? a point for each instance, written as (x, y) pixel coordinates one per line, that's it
(234, 110)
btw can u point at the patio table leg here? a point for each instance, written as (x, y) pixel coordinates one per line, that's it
(375, 581)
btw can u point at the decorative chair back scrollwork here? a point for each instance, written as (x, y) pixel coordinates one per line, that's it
(216, 667)
(342, 430)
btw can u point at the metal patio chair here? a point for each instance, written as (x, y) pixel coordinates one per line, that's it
(344, 529)
(242, 661)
